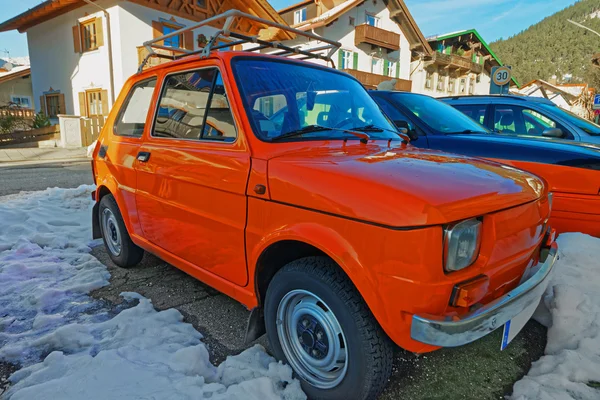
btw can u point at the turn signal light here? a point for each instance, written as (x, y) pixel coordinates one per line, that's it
(467, 293)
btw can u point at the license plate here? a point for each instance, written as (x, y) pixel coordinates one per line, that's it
(514, 326)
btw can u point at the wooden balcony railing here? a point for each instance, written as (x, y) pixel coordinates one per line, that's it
(370, 81)
(376, 36)
(155, 60)
(457, 62)
(17, 112)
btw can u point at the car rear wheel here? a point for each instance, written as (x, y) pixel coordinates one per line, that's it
(122, 251)
(318, 323)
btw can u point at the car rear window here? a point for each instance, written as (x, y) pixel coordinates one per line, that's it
(131, 120)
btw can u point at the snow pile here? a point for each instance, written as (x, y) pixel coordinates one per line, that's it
(570, 367)
(90, 350)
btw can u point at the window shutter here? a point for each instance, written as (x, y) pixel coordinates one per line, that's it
(398, 69)
(188, 40)
(43, 105)
(76, 39)
(355, 61)
(449, 50)
(474, 56)
(82, 105)
(340, 59)
(99, 32)
(157, 30)
(61, 104)
(386, 67)
(104, 96)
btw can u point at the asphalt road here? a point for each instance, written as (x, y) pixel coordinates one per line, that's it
(478, 371)
(39, 177)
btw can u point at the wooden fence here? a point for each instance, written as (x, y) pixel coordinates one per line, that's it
(91, 128)
(33, 135)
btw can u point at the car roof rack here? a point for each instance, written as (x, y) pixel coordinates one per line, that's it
(226, 38)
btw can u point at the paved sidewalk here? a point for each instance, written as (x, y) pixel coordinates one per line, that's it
(19, 156)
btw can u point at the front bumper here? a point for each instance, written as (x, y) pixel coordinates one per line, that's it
(457, 331)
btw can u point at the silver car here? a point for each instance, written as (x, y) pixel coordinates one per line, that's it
(526, 116)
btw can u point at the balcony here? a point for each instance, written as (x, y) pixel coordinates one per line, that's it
(377, 37)
(156, 59)
(370, 81)
(454, 61)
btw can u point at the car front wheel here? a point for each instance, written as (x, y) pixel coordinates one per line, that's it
(318, 323)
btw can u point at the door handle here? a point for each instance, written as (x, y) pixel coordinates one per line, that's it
(143, 156)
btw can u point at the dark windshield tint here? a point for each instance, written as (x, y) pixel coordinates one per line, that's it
(282, 97)
(438, 116)
(583, 124)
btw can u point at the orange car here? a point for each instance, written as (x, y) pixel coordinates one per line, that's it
(281, 184)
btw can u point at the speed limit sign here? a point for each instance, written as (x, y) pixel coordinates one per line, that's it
(501, 76)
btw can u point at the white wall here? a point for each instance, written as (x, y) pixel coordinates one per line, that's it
(16, 87)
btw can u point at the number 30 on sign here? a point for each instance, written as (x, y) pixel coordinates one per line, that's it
(501, 76)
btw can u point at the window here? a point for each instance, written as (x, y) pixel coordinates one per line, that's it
(21, 101)
(371, 20)
(313, 95)
(523, 121)
(91, 32)
(536, 123)
(398, 117)
(53, 105)
(441, 83)
(299, 16)
(173, 41)
(504, 119)
(451, 84)
(475, 111)
(472, 85)
(201, 3)
(346, 59)
(94, 101)
(131, 120)
(377, 65)
(351, 21)
(392, 68)
(462, 85)
(428, 79)
(194, 105)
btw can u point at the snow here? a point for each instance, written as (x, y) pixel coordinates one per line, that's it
(72, 346)
(571, 310)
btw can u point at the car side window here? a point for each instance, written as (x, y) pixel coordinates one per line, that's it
(474, 111)
(508, 119)
(398, 117)
(131, 119)
(193, 105)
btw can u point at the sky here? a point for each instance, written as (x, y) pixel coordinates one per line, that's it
(493, 19)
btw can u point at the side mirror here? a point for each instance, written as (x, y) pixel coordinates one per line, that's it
(553, 133)
(404, 127)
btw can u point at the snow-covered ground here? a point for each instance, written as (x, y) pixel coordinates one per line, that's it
(570, 368)
(72, 346)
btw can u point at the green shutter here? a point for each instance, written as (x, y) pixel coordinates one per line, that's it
(340, 59)
(449, 50)
(355, 61)
(386, 67)
(398, 69)
(474, 57)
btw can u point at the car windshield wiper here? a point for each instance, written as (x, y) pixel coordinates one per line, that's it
(318, 128)
(375, 128)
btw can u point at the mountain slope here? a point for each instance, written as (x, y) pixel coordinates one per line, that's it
(554, 46)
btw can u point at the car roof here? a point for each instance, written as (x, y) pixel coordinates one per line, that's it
(477, 99)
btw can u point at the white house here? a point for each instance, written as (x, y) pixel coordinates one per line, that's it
(82, 51)
(460, 64)
(379, 38)
(15, 83)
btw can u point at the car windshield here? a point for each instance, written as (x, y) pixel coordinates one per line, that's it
(437, 115)
(294, 101)
(585, 125)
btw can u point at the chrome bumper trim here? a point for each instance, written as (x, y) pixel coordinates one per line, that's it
(453, 332)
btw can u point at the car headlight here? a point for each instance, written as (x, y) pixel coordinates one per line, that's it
(461, 244)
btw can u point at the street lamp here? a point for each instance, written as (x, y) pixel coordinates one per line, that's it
(583, 26)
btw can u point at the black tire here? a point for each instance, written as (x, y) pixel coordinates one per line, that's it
(129, 254)
(369, 350)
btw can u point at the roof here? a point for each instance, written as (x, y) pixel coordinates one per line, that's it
(438, 38)
(400, 14)
(17, 72)
(570, 90)
(49, 9)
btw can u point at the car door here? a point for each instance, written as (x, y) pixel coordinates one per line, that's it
(192, 171)
(525, 121)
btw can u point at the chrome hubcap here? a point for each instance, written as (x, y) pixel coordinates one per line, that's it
(111, 232)
(312, 339)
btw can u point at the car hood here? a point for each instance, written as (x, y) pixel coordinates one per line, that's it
(397, 187)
